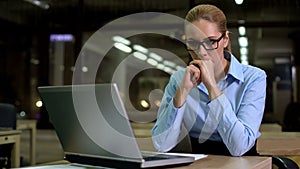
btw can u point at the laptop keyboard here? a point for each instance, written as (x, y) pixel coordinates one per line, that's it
(148, 156)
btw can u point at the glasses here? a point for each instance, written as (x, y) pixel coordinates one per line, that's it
(208, 44)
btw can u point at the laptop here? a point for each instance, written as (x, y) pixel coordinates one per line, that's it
(93, 128)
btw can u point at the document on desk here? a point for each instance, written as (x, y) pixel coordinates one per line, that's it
(196, 156)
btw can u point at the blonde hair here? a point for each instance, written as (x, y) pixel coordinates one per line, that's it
(210, 13)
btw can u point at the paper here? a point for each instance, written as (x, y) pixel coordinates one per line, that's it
(196, 156)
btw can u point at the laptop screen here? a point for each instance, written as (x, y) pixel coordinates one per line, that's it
(91, 120)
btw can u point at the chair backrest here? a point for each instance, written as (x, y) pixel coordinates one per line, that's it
(8, 116)
(292, 117)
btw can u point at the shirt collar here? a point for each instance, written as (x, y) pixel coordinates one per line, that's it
(236, 69)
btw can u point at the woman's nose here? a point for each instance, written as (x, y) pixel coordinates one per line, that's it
(201, 52)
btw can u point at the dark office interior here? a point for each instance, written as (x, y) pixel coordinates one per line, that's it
(28, 55)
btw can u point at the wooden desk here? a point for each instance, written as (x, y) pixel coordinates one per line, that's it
(270, 127)
(29, 125)
(228, 162)
(279, 143)
(8, 137)
(210, 162)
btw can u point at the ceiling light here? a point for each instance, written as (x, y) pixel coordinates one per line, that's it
(156, 57)
(169, 70)
(39, 3)
(123, 47)
(245, 62)
(34, 61)
(39, 103)
(121, 40)
(244, 51)
(282, 60)
(239, 2)
(243, 41)
(144, 104)
(169, 63)
(22, 113)
(152, 62)
(241, 21)
(140, 56)
(242, 30)
(160, 66)
(244, 57)
(84, 69)
(140, 48)
(61, 37)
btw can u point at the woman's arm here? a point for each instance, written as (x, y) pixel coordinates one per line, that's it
(239, 130)
(166, 130)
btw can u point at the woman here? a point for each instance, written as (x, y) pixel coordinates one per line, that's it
(218, 100)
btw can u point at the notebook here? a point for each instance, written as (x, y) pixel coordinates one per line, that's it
(93, 128)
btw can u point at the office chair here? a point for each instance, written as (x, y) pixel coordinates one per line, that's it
(284, 163)
(291, 121)
(8, 117)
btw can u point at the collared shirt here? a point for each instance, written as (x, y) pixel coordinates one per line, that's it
(233, 118)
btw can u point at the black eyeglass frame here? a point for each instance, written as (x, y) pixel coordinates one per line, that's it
(212, 41)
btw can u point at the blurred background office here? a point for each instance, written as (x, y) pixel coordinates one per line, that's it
(40, 41)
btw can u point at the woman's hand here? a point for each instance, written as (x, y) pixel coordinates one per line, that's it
(207, 72)
(192, 78)
(207, 76)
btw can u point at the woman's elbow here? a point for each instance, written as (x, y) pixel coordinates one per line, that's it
(239, 151)
(237, 154)
(159, 146)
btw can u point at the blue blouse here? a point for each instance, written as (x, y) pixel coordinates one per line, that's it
(233, 118)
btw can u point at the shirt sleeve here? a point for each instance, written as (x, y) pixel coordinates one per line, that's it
(239, 130)
(166, 130)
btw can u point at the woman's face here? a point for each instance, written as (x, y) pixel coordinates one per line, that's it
(208, 33)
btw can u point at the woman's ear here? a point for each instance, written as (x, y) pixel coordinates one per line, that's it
(226, 39)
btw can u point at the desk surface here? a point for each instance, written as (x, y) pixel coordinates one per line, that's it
(228, 162)
(12, 137)
(279, 143)
(210, 162)
(9, 132)
(26, 123)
